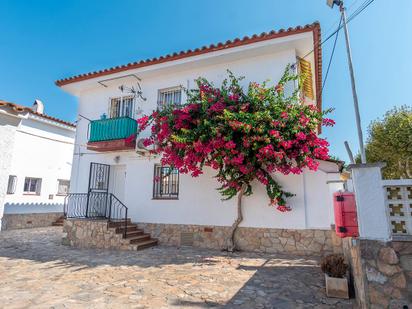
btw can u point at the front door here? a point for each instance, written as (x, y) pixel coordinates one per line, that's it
(118, 181)
(96, 205)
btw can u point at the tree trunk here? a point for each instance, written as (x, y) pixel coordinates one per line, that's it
(231, 245)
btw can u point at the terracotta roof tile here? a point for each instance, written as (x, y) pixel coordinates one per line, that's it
(23, 109)
(315, 28)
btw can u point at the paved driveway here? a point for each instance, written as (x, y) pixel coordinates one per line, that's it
(38, 272)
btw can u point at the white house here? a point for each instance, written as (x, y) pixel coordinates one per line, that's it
(182, 209)
(36, 152)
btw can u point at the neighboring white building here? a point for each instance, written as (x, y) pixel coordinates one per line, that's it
(35, 163)
(193, 204)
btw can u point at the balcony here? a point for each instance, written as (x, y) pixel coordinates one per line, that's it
(112, 134)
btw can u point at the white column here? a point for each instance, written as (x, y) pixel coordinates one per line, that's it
(370, 201)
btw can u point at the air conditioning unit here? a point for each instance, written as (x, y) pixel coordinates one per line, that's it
(142, 150)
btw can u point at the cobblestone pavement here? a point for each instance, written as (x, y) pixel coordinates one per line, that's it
(38, 272)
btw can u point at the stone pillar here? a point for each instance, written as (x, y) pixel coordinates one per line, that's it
(370, 201)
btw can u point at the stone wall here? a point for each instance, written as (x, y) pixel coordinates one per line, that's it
(30, 220)
(88, 233)
(382, 272)
(299, 242)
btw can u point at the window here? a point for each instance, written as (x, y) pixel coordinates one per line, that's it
(165, 182)
(169, 96)
(121, 107)
(11, 185)
(63, 187)
(32, 185)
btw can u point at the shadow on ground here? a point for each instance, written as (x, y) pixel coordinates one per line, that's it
(159, 277)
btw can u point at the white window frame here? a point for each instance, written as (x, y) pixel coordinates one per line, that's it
(59, 184)
(122, 108)
(11, 184)
(37, 185)
(176, 99)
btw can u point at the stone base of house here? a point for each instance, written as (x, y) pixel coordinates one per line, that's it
(381, 272)
(298, 242)
(30, 220)
(82, 233)
(98, 234)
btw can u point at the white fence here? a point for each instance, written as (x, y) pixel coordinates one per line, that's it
(398, 201)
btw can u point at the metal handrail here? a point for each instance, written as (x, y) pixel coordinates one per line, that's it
(117, 212)
(96, 205)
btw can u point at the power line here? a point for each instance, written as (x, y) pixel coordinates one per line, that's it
(360, 9)
(331, 56)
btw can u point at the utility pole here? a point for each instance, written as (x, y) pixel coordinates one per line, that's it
(342, 9)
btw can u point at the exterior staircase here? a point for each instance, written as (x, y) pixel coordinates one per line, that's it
(103, 221)
(133, 235)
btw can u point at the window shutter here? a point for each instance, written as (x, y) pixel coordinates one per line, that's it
(11, 186)
(306, 72)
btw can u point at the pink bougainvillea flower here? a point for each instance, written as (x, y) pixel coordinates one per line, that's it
(284, 115)
(283, 208)
(240, 134)
(274, 133)
(143, 122)
(279, 88)
(328, 122)
(301, 136)
(130, 138)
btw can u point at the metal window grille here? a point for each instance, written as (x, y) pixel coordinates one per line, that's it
(121, 107)
(169, 96)
(165, 182)
(63, 187)
(11, 185)
(32, 185)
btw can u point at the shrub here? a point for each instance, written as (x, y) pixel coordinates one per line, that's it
(334, 266)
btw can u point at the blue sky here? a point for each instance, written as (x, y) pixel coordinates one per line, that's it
(42, 41)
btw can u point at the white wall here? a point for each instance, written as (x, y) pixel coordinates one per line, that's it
(40, 150)
(199, 202)
(8, 126)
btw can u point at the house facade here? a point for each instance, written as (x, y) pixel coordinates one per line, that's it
(180, 209)
(35, 163)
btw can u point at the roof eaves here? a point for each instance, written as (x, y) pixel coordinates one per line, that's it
(315, 27)
(24, 109)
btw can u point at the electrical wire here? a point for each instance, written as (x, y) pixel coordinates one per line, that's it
(331, 56)
(359, 10)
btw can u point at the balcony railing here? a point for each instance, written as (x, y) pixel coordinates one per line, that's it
(111, 129)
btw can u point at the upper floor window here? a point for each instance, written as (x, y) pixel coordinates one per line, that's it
(169, 96)
(11, 185)
(63, 187)
(165, 182)
(121, 107)
(32, 185)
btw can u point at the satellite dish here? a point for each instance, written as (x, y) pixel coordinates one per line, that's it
(136, 91)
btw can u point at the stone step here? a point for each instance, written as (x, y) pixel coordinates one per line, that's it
(130, 234)
(138, 239)
(146, 244)
(130, 228)
(119, 223)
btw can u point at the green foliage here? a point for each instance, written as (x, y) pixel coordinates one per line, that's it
(390, 141)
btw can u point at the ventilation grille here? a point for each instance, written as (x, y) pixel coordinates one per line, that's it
(186, 239)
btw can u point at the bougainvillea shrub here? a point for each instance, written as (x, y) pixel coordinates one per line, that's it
(244, 134)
